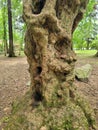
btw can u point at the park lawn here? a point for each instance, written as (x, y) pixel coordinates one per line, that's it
(85, 52)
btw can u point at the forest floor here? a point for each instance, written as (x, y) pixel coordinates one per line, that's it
(14, 78)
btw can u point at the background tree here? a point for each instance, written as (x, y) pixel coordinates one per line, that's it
(11, 46)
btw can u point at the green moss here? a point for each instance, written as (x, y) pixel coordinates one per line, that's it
(18, 122)
(89, 113)
(69, 116)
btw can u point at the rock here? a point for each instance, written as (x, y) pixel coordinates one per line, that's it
(83, 73)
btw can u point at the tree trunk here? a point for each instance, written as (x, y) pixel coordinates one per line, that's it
(88, 44)
(48, 46)
(11, 47)
(50, 25)
(96, 54)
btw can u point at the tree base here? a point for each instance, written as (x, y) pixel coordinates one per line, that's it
(72, 115)
(12, 56)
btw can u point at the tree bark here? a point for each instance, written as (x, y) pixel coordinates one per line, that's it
(96, 54)
(48, 46)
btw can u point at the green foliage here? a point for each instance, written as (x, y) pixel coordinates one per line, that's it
(95, 43)
(86, 31)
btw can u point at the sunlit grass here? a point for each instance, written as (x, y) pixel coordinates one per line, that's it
(85, 52)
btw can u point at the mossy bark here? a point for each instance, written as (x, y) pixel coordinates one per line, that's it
(50, 25)
(48, 46)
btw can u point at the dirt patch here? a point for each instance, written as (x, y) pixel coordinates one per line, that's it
(13, 79)
(90, 89)
(14, 76)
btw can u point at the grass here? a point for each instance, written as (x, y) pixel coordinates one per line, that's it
(85, 52)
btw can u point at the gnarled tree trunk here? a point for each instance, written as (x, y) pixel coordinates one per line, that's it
(48, 46)
(50, 24)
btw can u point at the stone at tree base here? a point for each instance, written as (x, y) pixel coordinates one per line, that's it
(82, 73)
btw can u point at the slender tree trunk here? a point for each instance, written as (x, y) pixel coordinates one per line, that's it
(88, 43)
(11, 47)
(96, 54)
(97, 51)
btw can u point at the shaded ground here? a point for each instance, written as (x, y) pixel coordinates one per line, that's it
(14, 77)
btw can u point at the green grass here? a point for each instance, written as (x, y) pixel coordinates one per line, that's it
(85, 52)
